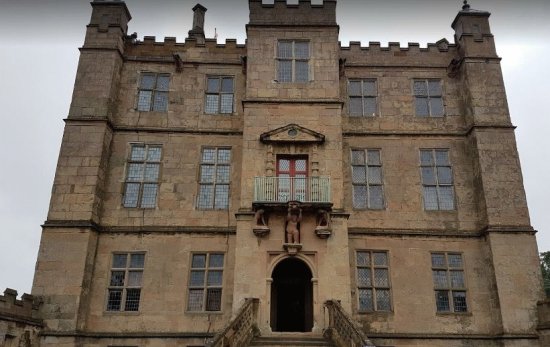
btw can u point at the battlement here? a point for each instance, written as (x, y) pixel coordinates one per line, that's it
(189, 43)
(374, 46)
(302, 14)
(26, 308)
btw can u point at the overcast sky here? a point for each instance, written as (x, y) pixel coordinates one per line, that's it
(39, 42)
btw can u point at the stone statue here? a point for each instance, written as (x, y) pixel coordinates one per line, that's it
(323, 220)
(259, 217)
(293, 218)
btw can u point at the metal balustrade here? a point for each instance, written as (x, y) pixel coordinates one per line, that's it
(285, 189)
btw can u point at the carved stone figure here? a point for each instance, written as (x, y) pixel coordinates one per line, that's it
(323, 230)
(261, 228)
(293, 219)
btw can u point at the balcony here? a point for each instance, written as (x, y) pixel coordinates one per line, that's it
(314, 191)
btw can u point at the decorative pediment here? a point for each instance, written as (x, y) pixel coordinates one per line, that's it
(292, 133)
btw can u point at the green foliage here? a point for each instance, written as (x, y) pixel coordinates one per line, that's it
(545, 268)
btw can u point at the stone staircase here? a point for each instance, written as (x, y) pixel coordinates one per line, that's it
(291, 340)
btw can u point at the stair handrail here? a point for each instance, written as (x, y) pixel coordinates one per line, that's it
(342, 330)
(241, 329)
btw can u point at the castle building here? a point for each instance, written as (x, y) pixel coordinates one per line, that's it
(289, 191)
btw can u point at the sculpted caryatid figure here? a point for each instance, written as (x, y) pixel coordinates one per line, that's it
(292, 221)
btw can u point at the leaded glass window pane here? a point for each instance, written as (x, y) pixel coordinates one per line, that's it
(144, 100)
(358, 157)
(226, 105)
(381, 278)
(117, 278)
(442, 157)
(444, 175)
(360, 196)
(373, 157)
(119, 261)
(207, 173)
(135, 172)
(224, 155)
(364, 277)
(212, 103)
(161, 102)
(428, 176)
(356, 107)
(301, 50)
(223, 174)
(147, 81)
(420, 88)
(363, 259)
(442, 301)
(375, 174)
(426, 158)
(197, 278)
(213, 85)
(227, 85)
(370, 107)
(206, 196)
(163, 82)
(132, 299)
(131, 194)
(215, 260)
(354, 88)
(114, 300)
(446, 198)
(457, 279)
(434, 87)
(209, 155)
(154, 153)
(459, 301)
(436, 107)
(455, 260)
(215, 278)
(151, 172)
(222, 196)
(383, 301)
(365, 300)
(134, 278)
(380, 258)
(422, 108)
(195, 300)
(440, 279)
(149, 196)
(430, 198)
(359, 174)
(214, 299)
(284, 49)
(438, 260)
(302, 71)
(137, 261)
(376, 197)
(369, 88)
(199, 261)
(285, 71)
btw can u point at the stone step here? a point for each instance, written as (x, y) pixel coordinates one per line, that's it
(291, 340)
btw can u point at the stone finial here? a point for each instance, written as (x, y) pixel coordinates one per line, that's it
(466, 6)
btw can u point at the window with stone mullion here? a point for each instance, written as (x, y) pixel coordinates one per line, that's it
(205, 282)
(293, 61)
(428, 98)
(214, 178)
(142, 176)
(449, 282)
(219, 95)
(153, 92)
(437, 179)
(363, 98)
(373, 281)
(367, 184)
(124, 291)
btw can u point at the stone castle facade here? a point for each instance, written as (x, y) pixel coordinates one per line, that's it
(290, 188)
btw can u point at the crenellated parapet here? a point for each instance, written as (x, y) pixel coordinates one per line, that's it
(374, 54)
(192, 50)
(20, 324)
(24, 309)
(302, 14)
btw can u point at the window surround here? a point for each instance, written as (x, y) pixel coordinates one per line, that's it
(428, 97)
(203, 283)
(367, 95)
(143, 171)
(219, 96)
(116, 283)
(153, 92)
(218, 177)
(447, 267)
(367, 175)
(436, 175)
(293, 64)
(371, 265)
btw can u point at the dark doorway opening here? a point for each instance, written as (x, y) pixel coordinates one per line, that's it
(291, 297)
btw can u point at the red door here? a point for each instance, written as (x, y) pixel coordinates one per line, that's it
(292, 178)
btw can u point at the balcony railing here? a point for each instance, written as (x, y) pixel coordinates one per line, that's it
(285, 189)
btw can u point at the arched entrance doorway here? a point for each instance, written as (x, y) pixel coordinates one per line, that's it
(291, 296)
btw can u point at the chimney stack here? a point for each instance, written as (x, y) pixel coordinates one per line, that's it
(197, 32)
